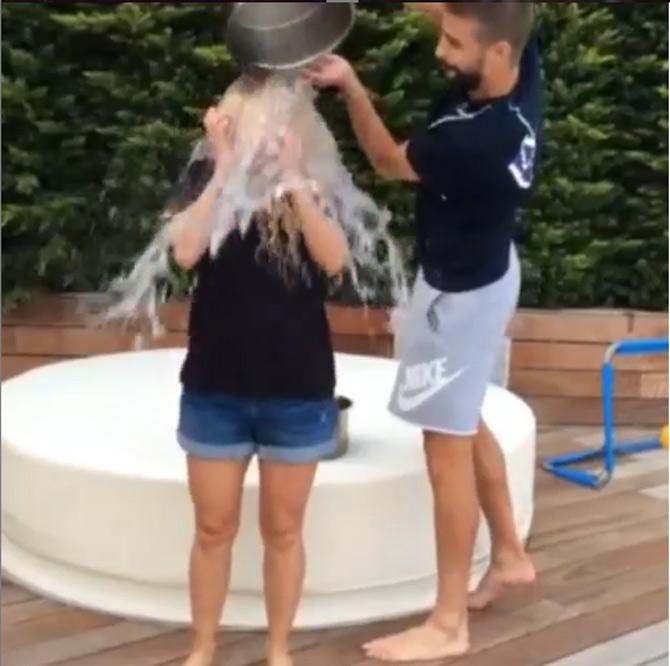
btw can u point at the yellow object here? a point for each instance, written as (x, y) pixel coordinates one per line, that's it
(664, 437)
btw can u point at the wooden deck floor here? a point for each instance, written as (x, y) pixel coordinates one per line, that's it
(644, 647)
(602, 558)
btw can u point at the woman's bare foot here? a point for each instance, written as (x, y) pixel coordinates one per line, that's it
(425, 643)
(279, 658)
(201, 656)
(501, 576)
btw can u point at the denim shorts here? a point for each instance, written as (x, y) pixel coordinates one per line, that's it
(222, 427)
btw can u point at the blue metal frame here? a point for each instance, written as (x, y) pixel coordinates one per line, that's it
(562, 466)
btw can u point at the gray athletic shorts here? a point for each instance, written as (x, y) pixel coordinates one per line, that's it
(448, 346)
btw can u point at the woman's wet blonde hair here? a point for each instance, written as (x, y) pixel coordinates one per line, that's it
(279, 225)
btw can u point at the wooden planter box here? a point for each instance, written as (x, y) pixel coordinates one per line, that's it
(555, 363)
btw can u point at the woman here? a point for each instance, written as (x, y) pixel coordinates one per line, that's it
(258, 380)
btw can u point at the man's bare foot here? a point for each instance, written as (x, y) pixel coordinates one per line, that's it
(201, 657)
(425, 643)
(500, 577)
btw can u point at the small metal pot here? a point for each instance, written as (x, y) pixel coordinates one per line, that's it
(343, 406)
(286, 35)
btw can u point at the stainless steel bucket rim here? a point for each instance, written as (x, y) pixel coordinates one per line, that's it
(305, 61)
(239, 5)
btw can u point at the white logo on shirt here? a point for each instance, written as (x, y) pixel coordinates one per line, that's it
(460, 115)
(422, 382)
(522, 167)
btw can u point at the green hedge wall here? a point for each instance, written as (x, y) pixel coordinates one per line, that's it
(101, 104)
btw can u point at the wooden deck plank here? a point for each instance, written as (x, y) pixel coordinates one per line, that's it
(42, 629)
(574, 635)
(547, 558)
(657, 492)
(653, 461)
(139, 644)
(249, 648)
(11, 594)
(604, 587)
(601, 514)
(567, 439)
(154, 651)
(28, 610)
(644, 645)
(564, 493)
(663, 661)
(336, 650)
(82, 643)
(633, 474)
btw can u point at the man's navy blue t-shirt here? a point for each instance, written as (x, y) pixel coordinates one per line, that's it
(476, 162)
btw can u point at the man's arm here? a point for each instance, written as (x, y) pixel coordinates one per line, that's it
(387, 157)
(433, 10)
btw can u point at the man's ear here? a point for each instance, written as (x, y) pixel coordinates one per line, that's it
(503, 51)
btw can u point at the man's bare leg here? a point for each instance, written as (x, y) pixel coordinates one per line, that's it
(510, 564)
(451, 468)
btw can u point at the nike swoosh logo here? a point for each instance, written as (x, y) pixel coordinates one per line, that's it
(408, 403)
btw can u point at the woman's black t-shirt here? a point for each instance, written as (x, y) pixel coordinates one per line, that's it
(255, 334)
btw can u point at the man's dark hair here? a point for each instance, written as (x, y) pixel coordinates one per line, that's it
(504, 20)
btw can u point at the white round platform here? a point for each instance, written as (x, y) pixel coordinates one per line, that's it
(95, 509)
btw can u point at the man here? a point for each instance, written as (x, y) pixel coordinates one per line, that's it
(474, 166)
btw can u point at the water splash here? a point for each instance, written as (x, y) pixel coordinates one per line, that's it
(262, 113)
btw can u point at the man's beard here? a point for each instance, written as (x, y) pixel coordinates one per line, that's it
(466, 81)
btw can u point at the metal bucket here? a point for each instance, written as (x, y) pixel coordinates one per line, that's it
(286, 35)
(344, 405)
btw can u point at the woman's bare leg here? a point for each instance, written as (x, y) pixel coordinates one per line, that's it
(216, 490)
(285, 490)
